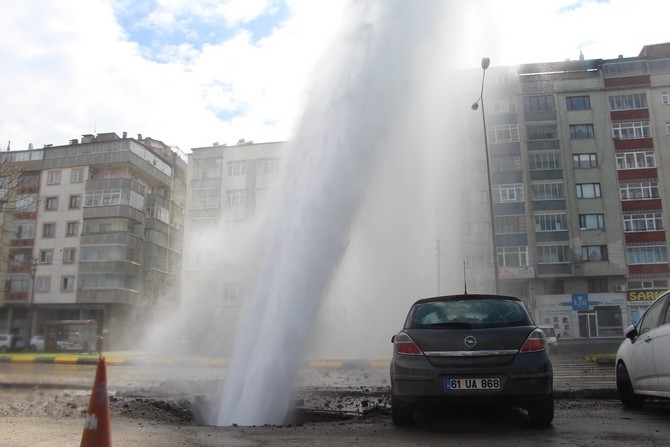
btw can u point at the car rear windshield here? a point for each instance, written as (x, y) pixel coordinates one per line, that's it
(467, 313)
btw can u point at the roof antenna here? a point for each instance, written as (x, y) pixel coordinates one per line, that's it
(465, 278)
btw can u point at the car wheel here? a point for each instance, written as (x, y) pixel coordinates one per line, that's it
(625, 388)
(402, 413)
(541, 413)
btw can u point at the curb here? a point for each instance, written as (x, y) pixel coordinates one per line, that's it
(183, 362)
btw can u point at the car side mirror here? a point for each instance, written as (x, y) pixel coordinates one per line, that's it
(631, 332)
(393, 339)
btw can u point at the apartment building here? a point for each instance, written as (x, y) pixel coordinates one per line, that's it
(95, 236)
(229, 191)
(580, 184)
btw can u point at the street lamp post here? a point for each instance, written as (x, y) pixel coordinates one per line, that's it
(485, 64)
(33, 270)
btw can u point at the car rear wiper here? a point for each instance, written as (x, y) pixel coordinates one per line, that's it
(451, 325)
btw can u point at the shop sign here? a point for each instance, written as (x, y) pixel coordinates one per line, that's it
(580, 301)
(641, 296)
(516, 272)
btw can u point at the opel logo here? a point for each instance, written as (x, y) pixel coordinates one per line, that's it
(470, 341)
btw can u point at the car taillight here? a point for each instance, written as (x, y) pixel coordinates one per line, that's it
(535, 342)
(403, 344)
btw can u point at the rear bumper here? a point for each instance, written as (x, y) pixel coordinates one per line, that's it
(527, 379)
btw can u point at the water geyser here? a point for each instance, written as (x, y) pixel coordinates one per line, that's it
(360, 98)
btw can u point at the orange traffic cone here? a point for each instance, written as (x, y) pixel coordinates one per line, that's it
(97, 426)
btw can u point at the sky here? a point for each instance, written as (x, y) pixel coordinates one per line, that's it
(193, 73)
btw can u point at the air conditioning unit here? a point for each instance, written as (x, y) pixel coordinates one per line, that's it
(620, 288)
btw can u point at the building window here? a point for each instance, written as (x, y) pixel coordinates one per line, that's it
(476, 228)
(544, 103)
(642, 222)
(110, 174)
(76, 176)
(267, 166)
(506, 163)
(503, 105)
(510, 224)
(238, 167)
(206, 198)
(541, 132)
(53, 178)
(578, 102)
(665, 98)
(46, 256)
(43, 284)
(544, 161)
(629, 101)
(508, 193)
(635, 160)
(550, 222)
(547, 191)
(585, 161)
(648, 284)
(16, 283)
(231, 292)
(504, 133)
(72, 229)
(650, 254)
(235, 197)
(512, 256)
(553, 254)
(51, 203)
(75, 202)
(632, 130)
(69, 255)
(29, 180)
(553, 287)
(103, 197)
(581, 131)
(67, 283)
(206, 168)
(639, 191)
(23, 229)
(598, 285)
(49, 230)
(588, 190)
(667, 127)
(594, 253)
(591, 221)
(25, 203)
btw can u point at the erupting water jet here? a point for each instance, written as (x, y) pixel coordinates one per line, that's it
(363, 100)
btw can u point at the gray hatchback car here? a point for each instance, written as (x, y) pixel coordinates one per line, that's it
(471, 348)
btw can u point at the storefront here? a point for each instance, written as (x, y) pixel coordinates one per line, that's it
(596, 315)
(637, 301)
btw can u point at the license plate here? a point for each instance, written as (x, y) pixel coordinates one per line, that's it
(472, 384)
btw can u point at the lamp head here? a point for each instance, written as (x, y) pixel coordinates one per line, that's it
(485, 63)
(475, 105)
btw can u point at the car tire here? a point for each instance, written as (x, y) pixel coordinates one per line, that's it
(402, 413)
(625, 388)
(541, 413)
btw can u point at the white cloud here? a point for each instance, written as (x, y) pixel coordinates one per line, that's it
(69, 68)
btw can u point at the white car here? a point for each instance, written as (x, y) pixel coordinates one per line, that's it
(37, 343)
(643, 359)
(10, 342)
(551, 336)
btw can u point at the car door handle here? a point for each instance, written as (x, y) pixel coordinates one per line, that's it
(648, 340)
